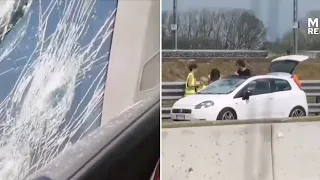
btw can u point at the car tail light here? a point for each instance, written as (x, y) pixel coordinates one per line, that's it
(297, 81)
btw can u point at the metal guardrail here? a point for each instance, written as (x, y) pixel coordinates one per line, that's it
(172, 91)
(206, 53)
(212, 54)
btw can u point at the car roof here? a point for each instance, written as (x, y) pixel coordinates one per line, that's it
(237, 77)
(283, 76)
(298, 58)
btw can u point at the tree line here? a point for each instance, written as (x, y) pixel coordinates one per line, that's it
(231, 29)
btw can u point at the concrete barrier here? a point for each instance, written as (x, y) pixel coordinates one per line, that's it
(296, 151)
(227, 152)
(277, 151)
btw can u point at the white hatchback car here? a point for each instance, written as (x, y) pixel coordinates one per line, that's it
(275, 95)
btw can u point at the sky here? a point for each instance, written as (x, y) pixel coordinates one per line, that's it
(285, 9)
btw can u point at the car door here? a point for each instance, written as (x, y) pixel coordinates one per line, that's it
(281, 93)
(257, 106)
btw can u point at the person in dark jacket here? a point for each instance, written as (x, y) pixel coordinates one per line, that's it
(242, 69)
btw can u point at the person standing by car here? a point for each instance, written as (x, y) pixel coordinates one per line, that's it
(191, 83)
(203, 83)
(242, 69)
(214, 75)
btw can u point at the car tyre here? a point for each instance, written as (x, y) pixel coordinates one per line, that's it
(297, 112)
(227, 114)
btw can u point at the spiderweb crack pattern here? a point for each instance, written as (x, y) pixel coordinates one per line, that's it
(36, 117)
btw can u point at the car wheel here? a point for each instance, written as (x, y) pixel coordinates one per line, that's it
(297, 112)
(227, 114)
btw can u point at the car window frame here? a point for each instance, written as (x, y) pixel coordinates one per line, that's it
(273, 85)
(240, 92)
(123, 81)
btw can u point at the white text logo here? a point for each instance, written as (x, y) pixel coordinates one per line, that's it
(313, 26)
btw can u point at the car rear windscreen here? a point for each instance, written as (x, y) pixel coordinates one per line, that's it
(286, 66)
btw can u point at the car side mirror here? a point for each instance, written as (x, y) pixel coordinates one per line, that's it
(246, 94)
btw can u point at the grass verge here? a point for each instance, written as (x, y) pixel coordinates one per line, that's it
(177, 70)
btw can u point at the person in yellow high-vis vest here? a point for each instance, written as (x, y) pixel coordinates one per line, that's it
(191, 83)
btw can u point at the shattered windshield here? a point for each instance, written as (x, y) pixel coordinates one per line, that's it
(53, 64)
